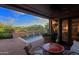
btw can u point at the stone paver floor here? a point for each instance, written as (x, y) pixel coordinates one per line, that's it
(12, 47)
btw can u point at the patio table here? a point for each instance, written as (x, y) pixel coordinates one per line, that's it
(48, 46)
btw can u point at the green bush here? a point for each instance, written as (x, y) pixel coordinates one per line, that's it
(5, 35)
(46, 34)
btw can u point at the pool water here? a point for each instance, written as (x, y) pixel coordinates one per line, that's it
(33, 38)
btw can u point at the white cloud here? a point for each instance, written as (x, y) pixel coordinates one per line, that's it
(42, 21)
(17, 12)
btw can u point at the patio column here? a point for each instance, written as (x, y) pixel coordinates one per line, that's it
(60, 30)
(70, 31)
(50, 25)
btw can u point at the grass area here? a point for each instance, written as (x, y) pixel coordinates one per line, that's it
(5, 35)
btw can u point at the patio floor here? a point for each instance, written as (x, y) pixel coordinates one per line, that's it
(12, 47)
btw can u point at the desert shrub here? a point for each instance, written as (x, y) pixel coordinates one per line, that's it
(5, 35)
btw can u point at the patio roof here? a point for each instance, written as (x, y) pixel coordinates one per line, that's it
(46, 10)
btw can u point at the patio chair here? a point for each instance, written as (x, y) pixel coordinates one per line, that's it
(27, 50)
(68, 52)
(33, 51)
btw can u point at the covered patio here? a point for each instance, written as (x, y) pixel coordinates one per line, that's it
(66, 19)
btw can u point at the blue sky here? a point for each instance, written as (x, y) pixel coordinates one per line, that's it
(20, 19)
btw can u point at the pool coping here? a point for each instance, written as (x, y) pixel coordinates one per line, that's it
(26, 42)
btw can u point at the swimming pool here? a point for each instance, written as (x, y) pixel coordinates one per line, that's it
(33, 38)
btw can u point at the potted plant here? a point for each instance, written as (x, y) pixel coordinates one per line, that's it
(47, 37)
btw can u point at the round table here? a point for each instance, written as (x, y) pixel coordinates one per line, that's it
(47, 46)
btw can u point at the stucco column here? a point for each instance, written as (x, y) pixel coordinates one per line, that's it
(60, 30)
(70, 31)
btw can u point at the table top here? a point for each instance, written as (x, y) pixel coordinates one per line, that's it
(48, 46)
